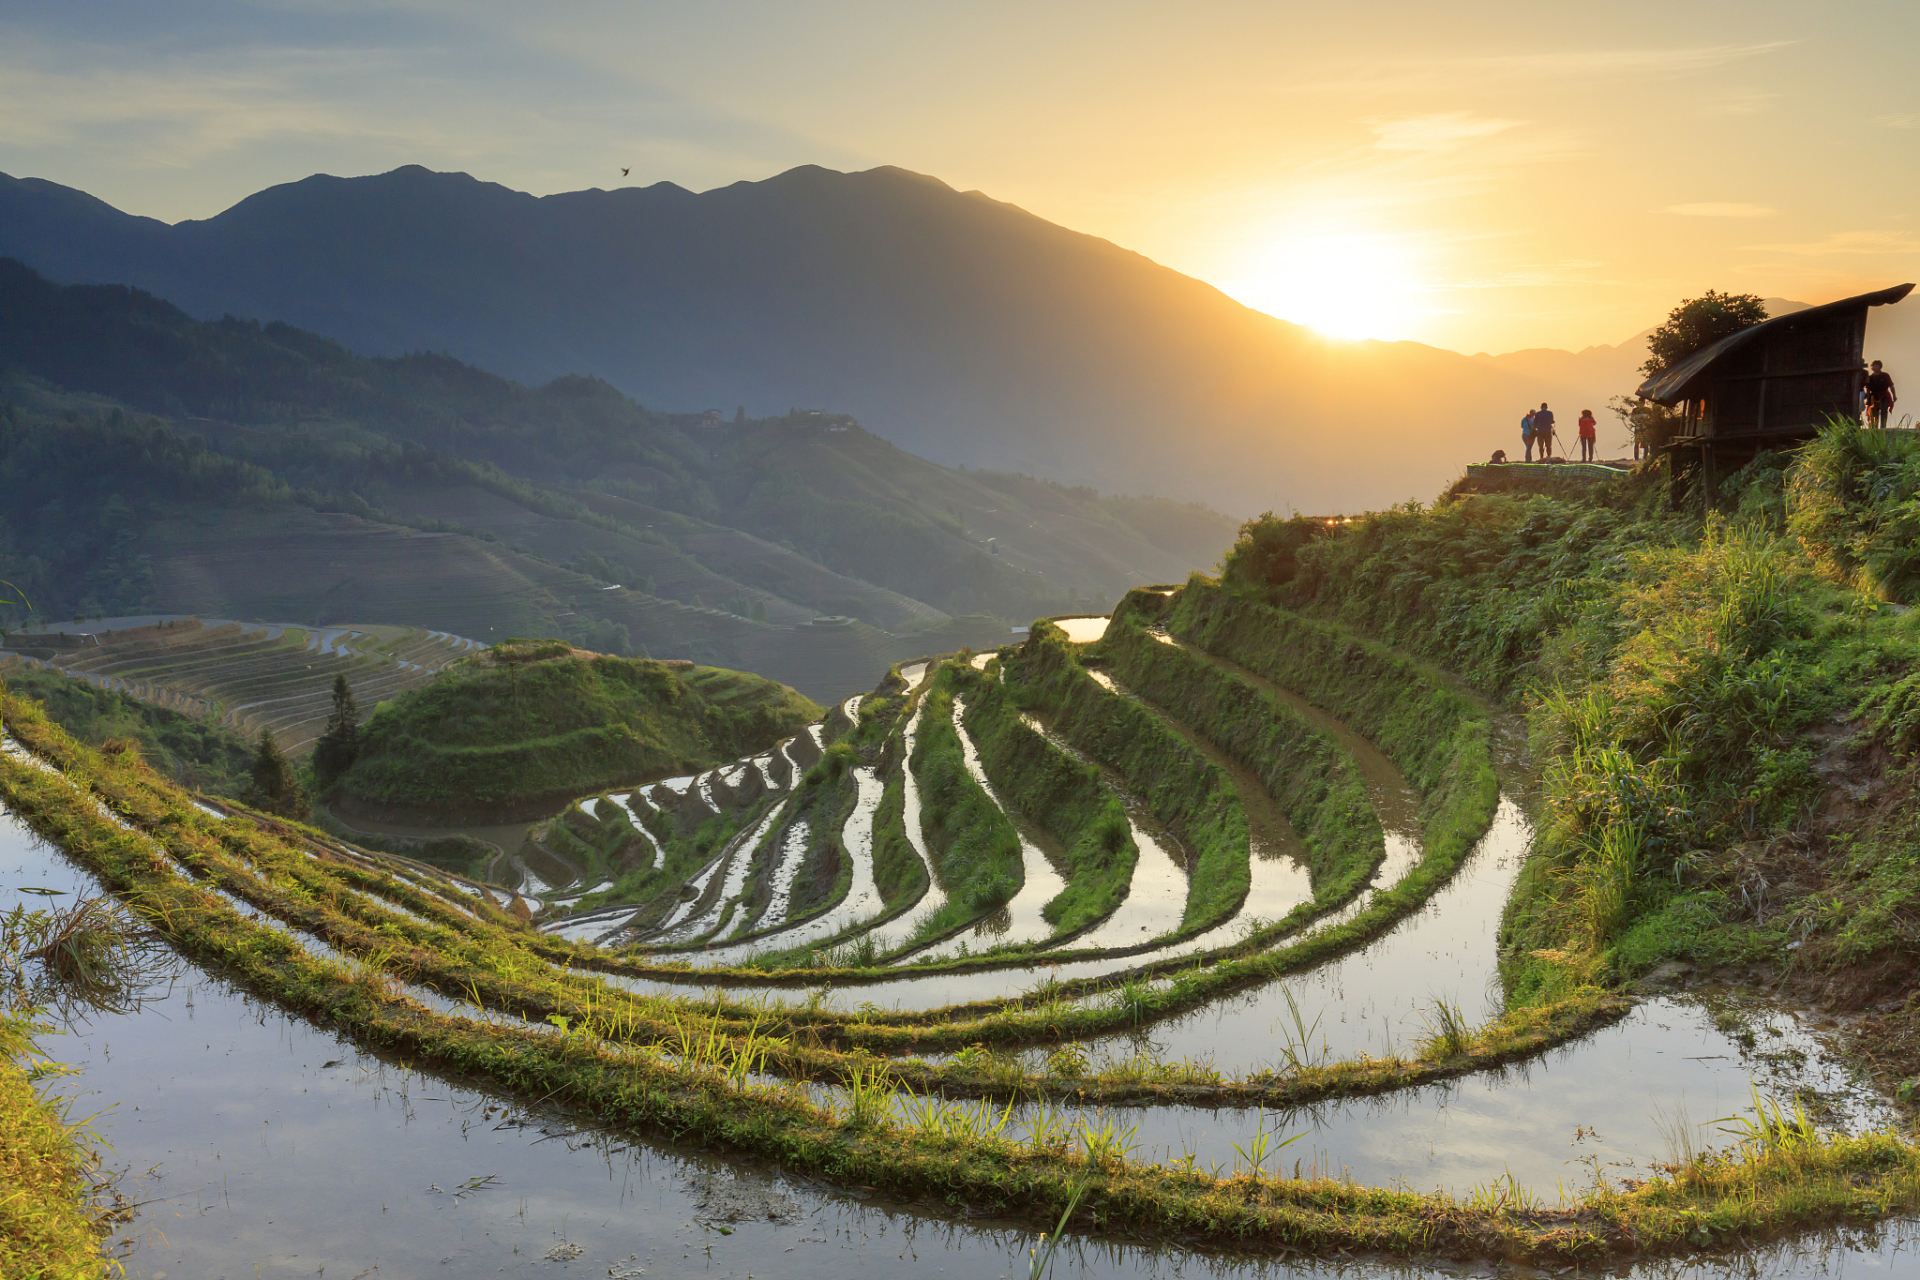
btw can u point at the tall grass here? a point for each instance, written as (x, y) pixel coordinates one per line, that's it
(1854, 503)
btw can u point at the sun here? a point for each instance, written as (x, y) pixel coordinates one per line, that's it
(1345, 284)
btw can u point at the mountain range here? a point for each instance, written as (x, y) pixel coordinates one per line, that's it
(961, 328)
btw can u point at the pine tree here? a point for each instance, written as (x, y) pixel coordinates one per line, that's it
(339, 746)
(275, 788)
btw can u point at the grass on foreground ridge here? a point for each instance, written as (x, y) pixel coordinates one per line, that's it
(1780, 1175)
(56, 1204)
(48, 1226)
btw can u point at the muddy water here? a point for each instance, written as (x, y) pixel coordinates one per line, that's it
(259, 1146)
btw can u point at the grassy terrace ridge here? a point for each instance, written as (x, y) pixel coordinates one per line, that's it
(1181, 787)
(975, 850)
(1314, 779)
(1040, 1018)
(530, 724)
(1062, 796)
(1439, 739)
(479, 955)
(1781, 1176)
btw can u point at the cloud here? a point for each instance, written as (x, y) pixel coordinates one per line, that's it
(1898, 122)
(1718, 209)
(1402, 74)
(183, 132)
(1849, 242)
(1446, 131)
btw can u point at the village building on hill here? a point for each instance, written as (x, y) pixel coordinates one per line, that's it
(1770, 385)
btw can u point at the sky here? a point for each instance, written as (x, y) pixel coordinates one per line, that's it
(1482, 176)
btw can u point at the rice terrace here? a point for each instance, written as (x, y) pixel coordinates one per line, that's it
(469, 808)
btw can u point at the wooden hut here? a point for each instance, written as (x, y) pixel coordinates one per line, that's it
(1769, 385)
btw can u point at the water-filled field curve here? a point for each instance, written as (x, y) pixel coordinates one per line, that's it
(445, 932)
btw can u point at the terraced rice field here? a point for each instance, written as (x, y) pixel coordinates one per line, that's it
(1117, 923)
(252, 677)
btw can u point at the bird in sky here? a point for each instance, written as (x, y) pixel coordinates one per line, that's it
(625, 172)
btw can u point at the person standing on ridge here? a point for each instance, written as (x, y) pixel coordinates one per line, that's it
(1589, 433)
(1543, 430)
(1526, 434)
(1880, 397)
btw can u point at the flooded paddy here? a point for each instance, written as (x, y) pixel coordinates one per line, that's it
(258, 1145)
(247, 1118)
(1607, 1104)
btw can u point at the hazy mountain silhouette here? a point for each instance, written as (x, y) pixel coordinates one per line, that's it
(959, 327)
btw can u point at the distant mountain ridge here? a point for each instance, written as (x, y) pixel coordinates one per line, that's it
(1598, 373)
(959, 327)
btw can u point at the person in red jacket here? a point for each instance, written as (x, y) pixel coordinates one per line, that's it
(1589, 432)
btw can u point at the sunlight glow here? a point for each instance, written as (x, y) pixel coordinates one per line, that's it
(1345, 284)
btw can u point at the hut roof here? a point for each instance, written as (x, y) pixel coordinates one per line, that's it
(1676, 383)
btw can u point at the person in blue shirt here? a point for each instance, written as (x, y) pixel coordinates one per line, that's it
(1526, 434)
(1543, 430)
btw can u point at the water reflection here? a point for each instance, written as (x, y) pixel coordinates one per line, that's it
(1083, 630)
(259, 1144)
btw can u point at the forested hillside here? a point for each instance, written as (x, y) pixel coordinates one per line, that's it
(243, 470)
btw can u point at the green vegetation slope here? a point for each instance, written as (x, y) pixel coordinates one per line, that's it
(196, 752)
(1724, 704)
(529, 724)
